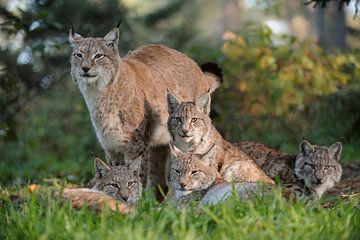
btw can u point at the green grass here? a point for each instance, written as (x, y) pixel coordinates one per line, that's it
(40, 215)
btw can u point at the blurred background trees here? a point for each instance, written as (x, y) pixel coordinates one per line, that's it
(291, 71)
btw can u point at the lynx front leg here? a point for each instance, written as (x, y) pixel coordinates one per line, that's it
(157, 169)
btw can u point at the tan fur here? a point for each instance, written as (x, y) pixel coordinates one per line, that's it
(96, 200)
(192, 131)
(126, 97)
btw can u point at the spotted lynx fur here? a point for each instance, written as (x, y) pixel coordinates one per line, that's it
(191, 131)
(273, 162)
(316, 167)
(126, 97)
(120, 182)
(192, 178)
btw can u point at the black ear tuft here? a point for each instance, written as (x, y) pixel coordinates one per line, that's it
(72, 28)
(119, 23)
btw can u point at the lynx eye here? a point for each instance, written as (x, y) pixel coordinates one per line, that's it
(98, 56)
(176, 171)
(194, 120)
(178, 119)
(131, 183)
(328, 167)
(115, 185)
(309, 166)
(78, 55)
(193, 173)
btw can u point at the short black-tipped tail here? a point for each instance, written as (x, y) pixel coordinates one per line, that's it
(213, 68)
(216, 72)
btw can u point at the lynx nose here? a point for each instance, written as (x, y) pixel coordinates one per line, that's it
(318, 180)
(185, 131)
(125, 198)
(182, 185)
(85, 69)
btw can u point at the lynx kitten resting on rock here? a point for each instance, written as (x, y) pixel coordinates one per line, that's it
(120, 182)
(126, 97)
(191, 131)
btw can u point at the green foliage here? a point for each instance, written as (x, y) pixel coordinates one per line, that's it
(270, 89)
(53, 140)
(40, 216)
(45, 129)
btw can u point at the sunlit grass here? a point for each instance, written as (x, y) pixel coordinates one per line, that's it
(40, 215)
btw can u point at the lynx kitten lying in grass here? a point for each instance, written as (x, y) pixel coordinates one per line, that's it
(118, 187)
(120, 182)
(192, 178)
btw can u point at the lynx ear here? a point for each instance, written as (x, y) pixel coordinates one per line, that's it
(135, 166)
(209, 156)
(174, 150)
(204, 102)
(173, 102)
(306, 148)
(112, 38)
(335, 150)
(101, 168)
(74, 38)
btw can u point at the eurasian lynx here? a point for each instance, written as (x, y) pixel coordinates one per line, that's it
(126, 97)
(191, 131)
(190, 174)
(318, 167)
(313, 171)
(120, 182)
(193, 178)
(317, 170)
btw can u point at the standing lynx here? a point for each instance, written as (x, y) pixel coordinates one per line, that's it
(126, 97)
(191, 131)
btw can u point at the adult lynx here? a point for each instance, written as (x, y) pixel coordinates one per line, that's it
(126, 97)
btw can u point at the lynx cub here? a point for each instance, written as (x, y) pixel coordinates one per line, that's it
(120, 182)
(194, 179)
(318, 168)
(191, 131)
(313, 171)
(191, 174)
(126, 97)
